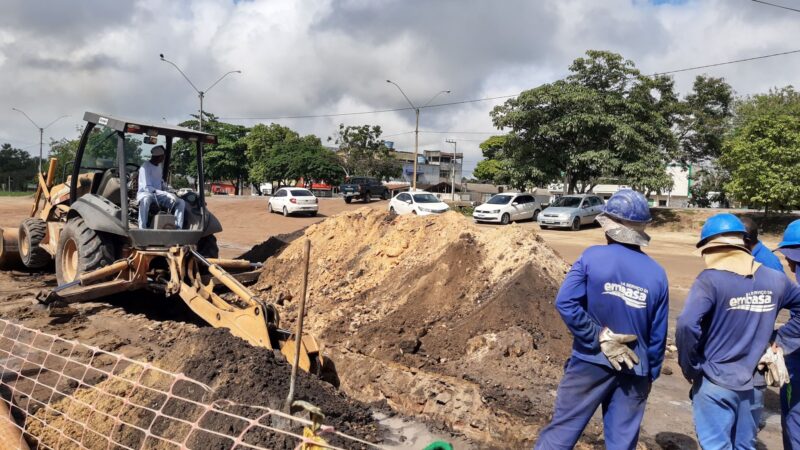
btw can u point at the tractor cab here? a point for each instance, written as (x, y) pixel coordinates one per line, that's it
(103, 186)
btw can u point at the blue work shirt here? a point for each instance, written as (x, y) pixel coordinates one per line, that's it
(727, 323)
(762, 254)
(621, 288)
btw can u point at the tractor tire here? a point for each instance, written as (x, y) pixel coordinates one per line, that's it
(31, 232)
(207, 246)
(82, 249)
(348, 200)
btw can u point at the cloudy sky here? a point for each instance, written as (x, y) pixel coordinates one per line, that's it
(318, 57)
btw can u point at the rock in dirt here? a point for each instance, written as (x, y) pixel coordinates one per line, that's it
(441, 318)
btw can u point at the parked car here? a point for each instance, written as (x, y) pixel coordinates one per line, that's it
(420, 203)
(507, 207)
(363, 188)
(265, 188)
(290, 200)
(571, 211)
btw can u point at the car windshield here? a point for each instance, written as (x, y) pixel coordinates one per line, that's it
(425, 198)
(499, 200)
(568, 202)
(301, 193)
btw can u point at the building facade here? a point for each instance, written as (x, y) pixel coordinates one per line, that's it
(433, 166)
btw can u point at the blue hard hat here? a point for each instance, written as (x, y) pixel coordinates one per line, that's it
(627, 204)
(721, 224)
(790, 245)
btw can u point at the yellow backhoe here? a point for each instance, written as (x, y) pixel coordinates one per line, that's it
(90, 227)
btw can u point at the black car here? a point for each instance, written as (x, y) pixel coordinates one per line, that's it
(363, 188)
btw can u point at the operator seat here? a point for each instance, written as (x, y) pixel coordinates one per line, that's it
(110, 187)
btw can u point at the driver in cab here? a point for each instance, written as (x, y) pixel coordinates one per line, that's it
(153, 189)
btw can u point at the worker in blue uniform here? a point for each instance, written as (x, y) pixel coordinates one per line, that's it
(764, 256)
(614, 300)
(724, 334)
(790, 393)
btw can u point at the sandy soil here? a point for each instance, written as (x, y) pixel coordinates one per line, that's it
(246, 223)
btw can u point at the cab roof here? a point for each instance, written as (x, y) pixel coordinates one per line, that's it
(137, 126)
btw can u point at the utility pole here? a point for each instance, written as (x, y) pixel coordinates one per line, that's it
(416, 128)
(41, 133)
(200, 94)
(453, 167)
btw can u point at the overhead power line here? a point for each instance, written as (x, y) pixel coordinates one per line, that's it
(726, 63)
(777, 6)
(500, 97)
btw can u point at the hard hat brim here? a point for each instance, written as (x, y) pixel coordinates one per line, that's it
(792, 253)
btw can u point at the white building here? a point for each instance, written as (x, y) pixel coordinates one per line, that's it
(433, 166)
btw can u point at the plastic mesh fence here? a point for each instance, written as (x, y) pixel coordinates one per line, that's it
(62, 394)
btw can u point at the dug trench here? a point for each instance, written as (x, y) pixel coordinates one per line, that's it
(430, 317)
(436, 317)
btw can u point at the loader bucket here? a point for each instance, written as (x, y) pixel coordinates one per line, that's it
(9, 248)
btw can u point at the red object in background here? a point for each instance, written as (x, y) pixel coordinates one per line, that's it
(223, 188)
(316, 185)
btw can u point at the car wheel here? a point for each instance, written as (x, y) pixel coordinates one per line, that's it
(576, 224)
(313, 214)
(385, 195)
(367, 198)
(505, 219)
(285, 212)
(543, 227)
(269, 208)
(348, 200)
(535, 215)
(414, 212)
(392, 211)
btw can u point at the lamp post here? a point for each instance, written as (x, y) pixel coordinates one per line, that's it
(416, 128)
(453, 167)
(41, 132)
(200, 93)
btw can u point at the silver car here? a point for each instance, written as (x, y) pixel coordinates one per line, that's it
(571, 211)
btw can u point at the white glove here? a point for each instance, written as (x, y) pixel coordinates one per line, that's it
(774, 367)
(614, 347)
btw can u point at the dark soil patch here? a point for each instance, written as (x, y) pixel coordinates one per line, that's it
(272, 246)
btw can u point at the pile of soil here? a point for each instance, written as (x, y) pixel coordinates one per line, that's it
(234, 371)
(437, 316)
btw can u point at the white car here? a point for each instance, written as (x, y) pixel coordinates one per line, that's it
(291, 200)
(417, 202)
(508, 207)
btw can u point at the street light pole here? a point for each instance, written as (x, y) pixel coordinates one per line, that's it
(453, 167)
(41, 132)
(201, 94)
(416, 128)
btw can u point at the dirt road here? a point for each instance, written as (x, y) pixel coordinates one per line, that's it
(246, 222)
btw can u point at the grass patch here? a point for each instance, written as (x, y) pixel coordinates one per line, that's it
(15, 194)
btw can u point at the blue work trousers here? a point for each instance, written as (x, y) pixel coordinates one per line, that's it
(165, 200)
(758, 406)
(723, 419)
(586, 386)
(790, 405)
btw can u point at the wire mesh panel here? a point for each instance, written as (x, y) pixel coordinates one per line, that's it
(61, 394)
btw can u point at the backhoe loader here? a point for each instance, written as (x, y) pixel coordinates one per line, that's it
(89, 226)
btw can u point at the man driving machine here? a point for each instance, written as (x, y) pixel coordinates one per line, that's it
(153, 189)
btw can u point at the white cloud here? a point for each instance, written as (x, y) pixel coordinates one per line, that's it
(333, 56)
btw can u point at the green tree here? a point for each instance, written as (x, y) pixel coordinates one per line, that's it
(18, 167)
(604, 120)
(489, 170)
(363, 152)
(763, 160)
(278, 153)
(64, 151)
(703, 119)
(224, 161)
(708, 186)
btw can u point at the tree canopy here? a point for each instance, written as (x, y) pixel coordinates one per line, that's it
(607, 121)
(16, 167)
(363, 152)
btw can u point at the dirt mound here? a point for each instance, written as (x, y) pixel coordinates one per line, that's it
(235, 372)
(466, 311)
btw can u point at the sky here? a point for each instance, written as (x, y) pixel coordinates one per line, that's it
(318, 57)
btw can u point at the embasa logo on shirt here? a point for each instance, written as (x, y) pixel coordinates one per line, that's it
(756, 301)
(634, 296)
